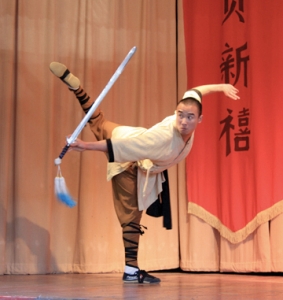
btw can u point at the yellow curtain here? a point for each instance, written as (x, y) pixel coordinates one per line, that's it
(40, 235)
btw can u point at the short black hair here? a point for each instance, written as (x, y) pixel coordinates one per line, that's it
(190, 100)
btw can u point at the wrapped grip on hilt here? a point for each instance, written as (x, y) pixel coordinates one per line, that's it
(64, 151)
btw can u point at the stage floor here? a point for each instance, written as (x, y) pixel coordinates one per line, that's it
(174, 285)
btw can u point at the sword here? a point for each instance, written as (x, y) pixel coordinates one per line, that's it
(95, 105)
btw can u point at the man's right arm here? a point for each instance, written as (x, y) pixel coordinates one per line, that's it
(79, 145)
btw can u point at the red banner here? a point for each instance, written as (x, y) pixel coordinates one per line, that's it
(235, 169)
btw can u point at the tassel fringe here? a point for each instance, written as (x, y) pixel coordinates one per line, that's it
(61, 190)
(240, 235)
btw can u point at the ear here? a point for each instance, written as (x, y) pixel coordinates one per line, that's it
(200, 119)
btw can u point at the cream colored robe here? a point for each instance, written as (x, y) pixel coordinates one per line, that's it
(153, 150)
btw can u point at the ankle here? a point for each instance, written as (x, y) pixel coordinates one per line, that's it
(77, 91)
(130, 269)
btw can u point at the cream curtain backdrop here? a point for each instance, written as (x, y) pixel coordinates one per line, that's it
(38, 234)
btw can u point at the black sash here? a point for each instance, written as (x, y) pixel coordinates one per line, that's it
(161, 207)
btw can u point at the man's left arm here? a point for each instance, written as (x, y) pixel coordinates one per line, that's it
(228, 89)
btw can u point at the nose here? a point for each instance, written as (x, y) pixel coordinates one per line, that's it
(184, 121)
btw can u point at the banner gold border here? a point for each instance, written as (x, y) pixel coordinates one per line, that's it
(240, 235)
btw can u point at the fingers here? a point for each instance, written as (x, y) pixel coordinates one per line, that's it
(74, 146)
(232, 93)
(234, 96)
(77, 145)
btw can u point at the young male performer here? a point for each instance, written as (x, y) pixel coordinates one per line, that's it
(138, 159)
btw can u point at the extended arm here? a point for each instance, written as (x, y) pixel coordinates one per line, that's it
(81, 146)
(228, 89)
(154, 144)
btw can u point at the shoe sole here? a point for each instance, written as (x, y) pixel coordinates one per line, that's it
(145, 282)
(59, 70)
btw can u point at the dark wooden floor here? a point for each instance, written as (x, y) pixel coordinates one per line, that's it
(174, 285)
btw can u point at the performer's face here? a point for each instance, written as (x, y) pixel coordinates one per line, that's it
(187, 119)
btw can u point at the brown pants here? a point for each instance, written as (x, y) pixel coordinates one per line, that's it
(124, 186)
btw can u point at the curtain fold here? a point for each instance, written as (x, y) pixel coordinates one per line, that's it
(39, 234)
(234, 171)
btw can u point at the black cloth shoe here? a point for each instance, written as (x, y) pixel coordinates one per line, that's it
(140, 276)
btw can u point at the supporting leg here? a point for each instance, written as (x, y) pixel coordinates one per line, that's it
(131, 234)
(126, 205)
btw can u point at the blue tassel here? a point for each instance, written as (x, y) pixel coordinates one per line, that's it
(61, 190)
(66, 199)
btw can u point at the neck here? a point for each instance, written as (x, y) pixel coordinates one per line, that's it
(186, 138)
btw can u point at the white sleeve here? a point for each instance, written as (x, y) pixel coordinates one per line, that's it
(152, 144)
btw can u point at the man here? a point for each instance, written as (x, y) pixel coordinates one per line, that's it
(138, 159)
